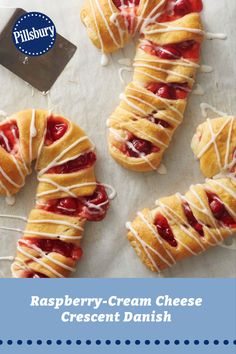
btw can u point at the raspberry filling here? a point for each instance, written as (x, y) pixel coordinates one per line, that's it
(32, 274)
(9, 134)
(56, 128)
(92, 207)
(84, 161)
(164, 230)
(186, 50)
(65, 249)
(128, 10)
(219, 210)
(158, 121)
(169, 91)
(125, 3)
(192, 220)
(136, 147)
(179, 8)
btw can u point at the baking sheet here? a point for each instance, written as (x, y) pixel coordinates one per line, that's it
(87, 94)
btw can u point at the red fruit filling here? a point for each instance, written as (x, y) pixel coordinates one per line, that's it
(157, 121)
(128, 10)
(92, 207)
(169, 91)
(56, 128)
(128, 3)
(164, 230)
(219, 210)
(9, 134)
(65, 249)
(96, 205)
(179, 8)
(187, 50)
(192, 220)
(84, 161)
(33, 274)
(136, 147)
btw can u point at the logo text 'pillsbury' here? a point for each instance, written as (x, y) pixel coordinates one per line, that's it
(34, 34)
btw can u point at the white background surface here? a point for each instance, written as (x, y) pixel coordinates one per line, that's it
(87, 94)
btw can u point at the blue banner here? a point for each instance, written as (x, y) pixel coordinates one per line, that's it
(118, 315)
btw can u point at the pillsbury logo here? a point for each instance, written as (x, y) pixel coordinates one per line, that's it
(34, 34)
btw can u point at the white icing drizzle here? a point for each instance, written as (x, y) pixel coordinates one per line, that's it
(125, 61)
(96, 25)
(156, 68)
(151, 18)
(61, 162)
(206, 210)
(199, 90)
(38, 233)
(167, 28)
(121, 72)
(7, 258)
(206, 69)
(55, 222)
(145, 246)
(156, 234)
(162, 170)
(46, 255)
(225, 166)
(131, 146)
(69, 188)
(62, 153)
(17, 217)
(43, 264)
(40, 147)
(210, 35)
(33, 133)
(8, 178)
(173, 217)
(104, 59)
(5, 140)
(205, 107)
(163, 100)
(106, 23)
(231, 246)
(177, 62)
(18, 166)
(114, 19)
(21, 153)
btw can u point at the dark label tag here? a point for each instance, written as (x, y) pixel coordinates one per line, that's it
(39, 71)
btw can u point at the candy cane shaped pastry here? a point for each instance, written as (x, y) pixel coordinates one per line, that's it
(184, 225)
(67, 196)
(165, 65)
(152, 107)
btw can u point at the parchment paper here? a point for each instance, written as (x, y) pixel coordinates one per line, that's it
(87, 94)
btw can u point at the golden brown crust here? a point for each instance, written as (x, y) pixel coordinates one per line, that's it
(155, 252)
(105, 35)
(138, 102)
(108, 27)
(43, 224)
(216, 154)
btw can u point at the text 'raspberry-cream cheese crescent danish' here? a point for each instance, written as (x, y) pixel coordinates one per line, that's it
(67, 196)
(153, 105)
(184, 225)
